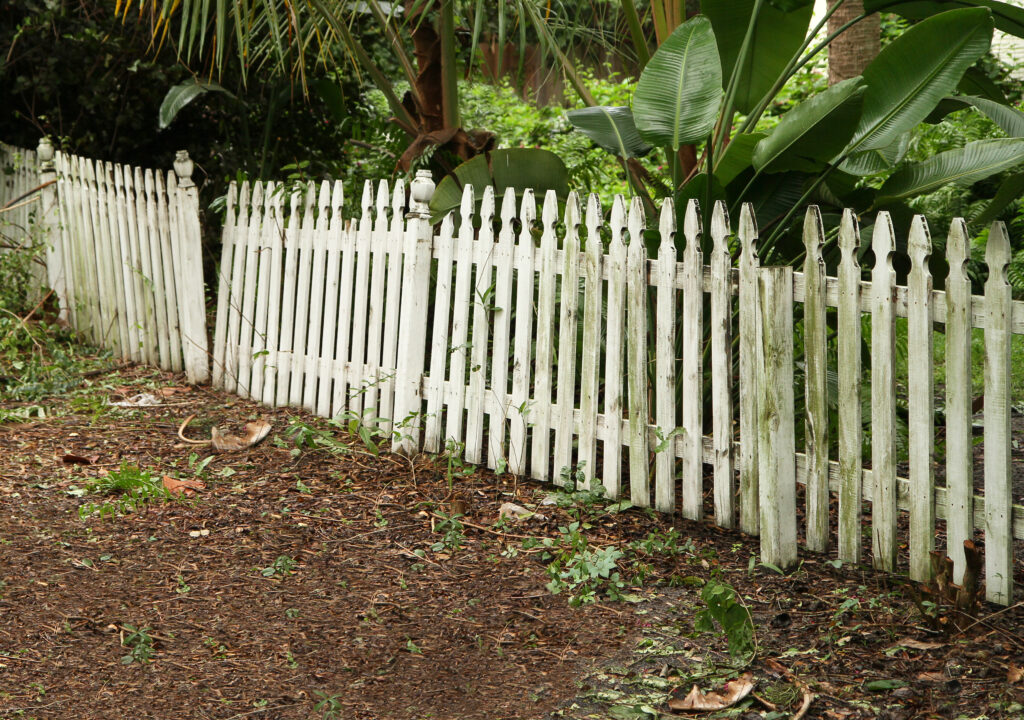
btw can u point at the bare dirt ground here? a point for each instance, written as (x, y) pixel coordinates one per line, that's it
(323, 581)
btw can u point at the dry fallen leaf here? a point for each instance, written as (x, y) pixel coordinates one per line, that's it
(935, 677)
(517, 512)
(1014, 674)
(254, 432)
(697, 700)
(918, 644)
(178, 487)
(72, 459)
(171, 390)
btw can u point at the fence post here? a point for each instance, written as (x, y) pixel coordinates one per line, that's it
(190, 274)
(412, 336)
(776, 442)
(49, 225)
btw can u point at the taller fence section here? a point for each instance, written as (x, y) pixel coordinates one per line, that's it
(20, 211)
(591, 346)
(129, 244)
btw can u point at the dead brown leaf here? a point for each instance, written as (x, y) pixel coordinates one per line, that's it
(172, 390)
(1014, 674)
(913, 644)
(72, 459)
(733, 693)
(254, 432)
(179, 487)
(933, 677)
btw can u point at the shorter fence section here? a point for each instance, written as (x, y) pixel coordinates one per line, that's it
(19, 211)
(584, 355)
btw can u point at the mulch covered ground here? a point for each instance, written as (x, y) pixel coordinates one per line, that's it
(319, 582)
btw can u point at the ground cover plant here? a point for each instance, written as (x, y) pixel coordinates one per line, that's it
(318, 576)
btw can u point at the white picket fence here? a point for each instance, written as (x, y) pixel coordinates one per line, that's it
(19, 207)
(549, 357)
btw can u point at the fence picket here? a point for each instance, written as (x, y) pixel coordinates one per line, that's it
(665, 360)
(883, 397)
(317, 300)
(250, 272)
(851, 497)
(504, 249)
(565, 401)
(273, 222)
(163, 192)
(748, 320)
(138, 232)
(332, 291)
(721, 368)
(591, 363)
(156, 256)
(636, 355)
(290, 272)
(261, 314)
(692, 365)
(959, 446)
(483, 288)
(998, 460)
(375, 322)
(389, 360)
(296, 392)
(439, 341)
(614, 339)
(343, 343)
(464, 261)
(921, 400)
(776, 442)
(540, 410)
(525, 279)
(815, 393)
(127, 266)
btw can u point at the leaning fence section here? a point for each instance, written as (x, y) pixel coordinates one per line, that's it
(129, 253)
(19, 212)
(580, 347)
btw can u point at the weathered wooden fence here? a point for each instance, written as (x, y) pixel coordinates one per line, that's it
(19, 208)
(121, 251)
(549, 352)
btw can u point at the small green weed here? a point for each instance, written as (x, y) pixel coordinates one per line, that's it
(457, 468)
(579, 570)
(725, 607)
(451, 533)
(283, 566)
(132, 487)
(329, 705)
(139, 643)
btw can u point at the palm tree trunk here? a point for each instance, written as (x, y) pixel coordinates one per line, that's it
(851, 52)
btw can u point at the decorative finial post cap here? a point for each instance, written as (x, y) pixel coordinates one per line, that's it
(183, 167)
(44, 152)
(421, 190)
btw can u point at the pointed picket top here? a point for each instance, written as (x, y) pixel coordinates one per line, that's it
(508, 208)
(232, 199)
(958, 249)
(549, 215)
(667, 224)
(323, 204)
(720, 228)
(257, 197)
(692, 230)
(468, 205)
(617, 222)
(595, 218)
(883, 241)
(748, 232)
(383, 200)
(528, 212)
(398, 199)
(448, 225)
(243, 199)
(487, 210)
(573, 214)
(337, 201)
(997, 255)
(140, 184)
(814, 235)
(636, 222)
(366, 205)
(849, 237)
(919, 243)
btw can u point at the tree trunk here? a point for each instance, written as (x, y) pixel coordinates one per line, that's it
(851, 52)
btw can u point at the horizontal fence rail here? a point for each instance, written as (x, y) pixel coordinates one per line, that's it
(591, 354)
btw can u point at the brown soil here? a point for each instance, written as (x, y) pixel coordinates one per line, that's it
(373, 617)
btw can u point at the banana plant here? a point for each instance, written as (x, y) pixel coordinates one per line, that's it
(710, 82)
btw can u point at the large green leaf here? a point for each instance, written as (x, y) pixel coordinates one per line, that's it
(1009, 119)
(1008, 18)
(1007, 193)
(736, 158)
(916, 70)
(676, 101)
(181, 95)
(777, 36)
(963, 166)
(610, 127)
(813, 132)
(517, 168)
(872, 162)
